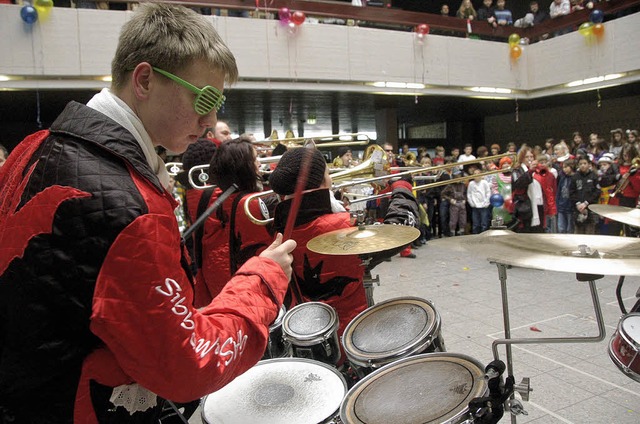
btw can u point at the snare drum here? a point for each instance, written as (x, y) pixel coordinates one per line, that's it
(276, 346)
(312, 330)
(391, 330)
(625, 345)
(426, 388)
(283, 390)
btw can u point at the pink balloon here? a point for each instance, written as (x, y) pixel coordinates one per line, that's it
(284, 14)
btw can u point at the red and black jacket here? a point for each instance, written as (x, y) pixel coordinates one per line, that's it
(334, 280)
(228, 240)
(94, 285)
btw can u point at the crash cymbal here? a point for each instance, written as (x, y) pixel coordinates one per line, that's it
(364, 239)
(586, 254)
(629, 216)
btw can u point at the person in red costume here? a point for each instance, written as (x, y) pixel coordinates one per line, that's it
(228, 238)
(334, 280)
(95, 291)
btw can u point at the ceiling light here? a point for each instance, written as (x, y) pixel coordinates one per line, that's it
(415, 85)
(4, 78)
(390, 84)
(612, 76)
(396, 85)
(379, 84)
(593, 80)
(311, 119)
(106, 78)
(575, 83)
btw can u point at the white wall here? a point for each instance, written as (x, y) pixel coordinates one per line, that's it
(74, 46)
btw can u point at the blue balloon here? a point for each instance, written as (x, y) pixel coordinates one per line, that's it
(29, 14)
(496, 200)
(597, 16)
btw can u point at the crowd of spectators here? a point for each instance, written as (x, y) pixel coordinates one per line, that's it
(545, 187)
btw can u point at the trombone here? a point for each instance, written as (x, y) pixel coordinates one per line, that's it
(333, 140)
(199, 175)
(174, 168)
(438, 168)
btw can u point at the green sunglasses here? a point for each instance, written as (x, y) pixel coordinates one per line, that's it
(207, 98)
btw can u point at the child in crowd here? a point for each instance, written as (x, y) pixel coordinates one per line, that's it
(584, 192)
(547, 179)
(479, 196)
(455, 195)
(564, 205)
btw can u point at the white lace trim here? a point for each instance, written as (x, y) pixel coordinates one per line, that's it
(133, 398)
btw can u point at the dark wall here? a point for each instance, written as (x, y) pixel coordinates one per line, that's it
(534, 126)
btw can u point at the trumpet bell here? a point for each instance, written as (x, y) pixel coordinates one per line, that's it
(375, 164)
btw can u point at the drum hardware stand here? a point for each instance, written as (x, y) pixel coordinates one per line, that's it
(369, 281)
(508, 341)
(490, 409)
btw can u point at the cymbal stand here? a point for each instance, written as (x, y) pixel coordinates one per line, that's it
(523, 388)
(369, 281)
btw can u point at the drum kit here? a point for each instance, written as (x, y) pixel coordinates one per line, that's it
(395, 352)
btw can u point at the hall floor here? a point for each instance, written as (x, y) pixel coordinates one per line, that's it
(572, 383)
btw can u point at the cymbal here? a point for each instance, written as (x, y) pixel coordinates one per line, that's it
(580, 253)
(629, 216)
(364, 239)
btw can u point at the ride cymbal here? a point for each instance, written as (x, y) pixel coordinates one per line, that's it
(580, 253)
(364, 239)
(629, 216)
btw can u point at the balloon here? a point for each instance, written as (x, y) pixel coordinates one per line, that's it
(516, 51)
(586, 29)
(284, 14)
(29, 14)
(514, 39)
(43, 7)
(422, 29)
(598, 30)
(508, 204)
(298, 17)
(597, 16)
(496, 200)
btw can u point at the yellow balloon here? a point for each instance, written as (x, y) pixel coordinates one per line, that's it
(514, 39)
(43, 7)
(586, 29)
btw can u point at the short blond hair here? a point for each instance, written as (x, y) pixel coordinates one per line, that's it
(170, 37)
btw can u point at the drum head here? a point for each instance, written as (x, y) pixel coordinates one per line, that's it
(286, 390)
(427, 388)
(391, 329)
(630, 328)
(310, 322)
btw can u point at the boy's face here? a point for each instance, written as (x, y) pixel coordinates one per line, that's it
(455, 152)
(567, 170)
(500, 4)
(166, 108)
(487, 3)
(467, 150)
(542, 163)
(583, 165)
(533, 7)
(604, 166)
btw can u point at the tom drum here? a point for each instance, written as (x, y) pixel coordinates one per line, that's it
(391, 330)
(426, 388)
(624, 346)
(312, 330)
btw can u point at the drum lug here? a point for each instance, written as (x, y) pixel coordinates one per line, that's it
(524, 388)
(327, 348)
(516, 408)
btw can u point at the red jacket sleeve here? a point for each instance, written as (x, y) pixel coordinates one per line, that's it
(142, 311)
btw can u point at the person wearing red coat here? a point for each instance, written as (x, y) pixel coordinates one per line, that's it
(95, 290)
(228, 238)
(334, 280)
(544, 175)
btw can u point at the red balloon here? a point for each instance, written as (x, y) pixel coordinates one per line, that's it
(298, 18)
(422, 29)
(508, 205)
